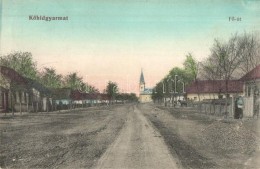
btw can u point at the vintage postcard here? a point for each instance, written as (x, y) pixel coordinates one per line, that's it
(130, 84)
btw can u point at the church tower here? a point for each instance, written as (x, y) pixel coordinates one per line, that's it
(141, 82)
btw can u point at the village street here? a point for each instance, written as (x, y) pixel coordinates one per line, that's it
(138, 146)
(127, 136)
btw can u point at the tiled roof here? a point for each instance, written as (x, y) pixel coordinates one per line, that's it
(18, 79)
(12, 75)
(61, 93)
(38, 86)
(252, 75)
(215, 86)
(77, 95)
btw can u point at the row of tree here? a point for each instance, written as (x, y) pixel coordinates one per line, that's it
(228, 60)
(23, 63)
(173, 84)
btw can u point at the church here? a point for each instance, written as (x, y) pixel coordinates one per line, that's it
(145, 94)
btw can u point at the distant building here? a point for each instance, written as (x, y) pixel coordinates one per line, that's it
(145, 93)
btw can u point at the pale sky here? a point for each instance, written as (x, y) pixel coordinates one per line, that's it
(113, 39)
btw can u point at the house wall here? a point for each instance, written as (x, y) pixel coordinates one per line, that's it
(251, 101)
(195, 96)
(1, 99)
(143, 98)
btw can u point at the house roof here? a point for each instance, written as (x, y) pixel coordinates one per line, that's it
(147, 91)
(12, 75)
(38, 86)
(252, 75)
(215, 86)
(61, 93)
(77, 95)
(18, 79)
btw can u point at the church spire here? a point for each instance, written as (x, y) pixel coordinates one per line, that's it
(142, 77)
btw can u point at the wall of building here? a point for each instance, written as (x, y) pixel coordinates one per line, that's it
(143, 98)
(251, 98)
(203, 96)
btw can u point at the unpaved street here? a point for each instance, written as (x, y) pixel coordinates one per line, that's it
(68, 139)
(138, 146)
(129, 136)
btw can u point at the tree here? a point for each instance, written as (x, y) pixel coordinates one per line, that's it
(250, 51)
(92, 89)
(21, 62)
(112, 90)
(129, 97)
(191, 66)
(225, 59)
(158, 94)
(50, 78)
(73, 81)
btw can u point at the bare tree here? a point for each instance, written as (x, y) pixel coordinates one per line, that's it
(225, 58)
(250, 51)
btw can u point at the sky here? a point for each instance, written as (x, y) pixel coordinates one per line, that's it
(113, 40)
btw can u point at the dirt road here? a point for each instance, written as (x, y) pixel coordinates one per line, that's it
(68, 139)
(205, 142)
(138, 146)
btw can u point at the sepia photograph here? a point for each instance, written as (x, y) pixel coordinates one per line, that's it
(129, 84)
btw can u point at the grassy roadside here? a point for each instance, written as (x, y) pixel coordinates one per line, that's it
(71, 139)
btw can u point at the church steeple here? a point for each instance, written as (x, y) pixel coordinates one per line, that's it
(142, 77)
(141, 82)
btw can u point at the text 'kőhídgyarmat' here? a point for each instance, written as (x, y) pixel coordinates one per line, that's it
(48, 18)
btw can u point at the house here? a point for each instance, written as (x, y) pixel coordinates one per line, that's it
(213, 89)
(3, 99)
(40, 96)
(81, 99)
(14, 91)
(251, 91)
(248, 87)
(61, 98)
(19, 93)
(145, 94)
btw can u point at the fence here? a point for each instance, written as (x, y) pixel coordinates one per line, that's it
(216, 107)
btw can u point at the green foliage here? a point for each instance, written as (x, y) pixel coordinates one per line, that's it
(22, 62)
(158, 92)
(92, 89)
(50, 78)
(73, 81)
(112, 89)
(127, 97)
(176, 80)
(191, 66)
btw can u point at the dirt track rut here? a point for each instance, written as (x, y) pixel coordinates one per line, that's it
(138, 145)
